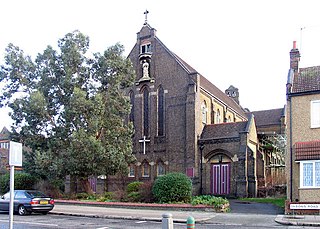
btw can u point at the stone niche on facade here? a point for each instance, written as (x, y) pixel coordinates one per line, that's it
(145, 63)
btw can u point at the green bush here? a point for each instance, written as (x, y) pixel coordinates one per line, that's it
(109, 195)
(24, 181)
(134, 197)
(172, 188)
(21, 181)
(217, 202)
(82, 195)
(134, 186)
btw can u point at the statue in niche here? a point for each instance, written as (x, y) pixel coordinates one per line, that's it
(145, 69)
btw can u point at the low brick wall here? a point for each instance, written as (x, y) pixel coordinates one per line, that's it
(181, 207)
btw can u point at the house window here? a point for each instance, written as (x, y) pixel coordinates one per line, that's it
(146, 48)
(204, 111)
(310, 174)
(145, 169)
(4, 145)
(160, 169)
(160, 111)
(131, 171)
(315, 114)
(146, 112)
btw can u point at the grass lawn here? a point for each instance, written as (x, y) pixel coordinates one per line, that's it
(280, 202)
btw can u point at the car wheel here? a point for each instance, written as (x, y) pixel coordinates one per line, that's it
(22, 210)
(44, 213)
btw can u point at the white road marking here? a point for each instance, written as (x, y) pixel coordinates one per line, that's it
(31, 223)
(141, 221)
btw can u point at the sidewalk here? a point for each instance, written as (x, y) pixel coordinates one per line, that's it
(299, 220)
(154, 212)
(129, 211)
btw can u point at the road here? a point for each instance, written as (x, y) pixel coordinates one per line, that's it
(220, 221)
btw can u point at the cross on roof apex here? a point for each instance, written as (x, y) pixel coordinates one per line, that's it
(146, 17)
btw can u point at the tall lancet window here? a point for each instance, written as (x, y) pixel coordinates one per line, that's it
(131, 116)
(160, 111)
(204, 111)
(218, 117)
(146, 112)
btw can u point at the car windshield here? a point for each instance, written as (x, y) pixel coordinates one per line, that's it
(36, 194)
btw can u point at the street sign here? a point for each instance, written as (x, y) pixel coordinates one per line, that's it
(15, 159)
(15, 153)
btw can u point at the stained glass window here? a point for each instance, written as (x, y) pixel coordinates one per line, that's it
(160, 168)
(146, 112)
(204, 112)
(160, 111)
(145, 169)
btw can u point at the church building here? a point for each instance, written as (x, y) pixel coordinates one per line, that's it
(184, 123)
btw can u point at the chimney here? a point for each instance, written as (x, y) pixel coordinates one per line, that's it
(294, 57)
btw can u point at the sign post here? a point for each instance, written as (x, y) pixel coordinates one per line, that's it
(15, 159)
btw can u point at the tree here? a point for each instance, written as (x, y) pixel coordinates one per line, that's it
(69, 108)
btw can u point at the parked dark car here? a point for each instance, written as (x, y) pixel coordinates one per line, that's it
(27, 201)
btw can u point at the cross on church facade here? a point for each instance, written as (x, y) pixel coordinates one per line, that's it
(146, 17)
(144, 141)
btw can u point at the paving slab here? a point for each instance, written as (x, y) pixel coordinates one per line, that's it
(127, 213)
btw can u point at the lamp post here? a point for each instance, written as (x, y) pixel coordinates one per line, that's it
(201, 147)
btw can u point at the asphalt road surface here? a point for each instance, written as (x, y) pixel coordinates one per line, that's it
(243, 215)
(220, 221)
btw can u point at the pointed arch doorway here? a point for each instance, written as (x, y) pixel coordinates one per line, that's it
(220, 174)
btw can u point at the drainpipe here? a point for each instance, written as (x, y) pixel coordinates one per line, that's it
(291, 156)
(201, 147)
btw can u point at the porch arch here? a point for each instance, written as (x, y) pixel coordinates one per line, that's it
(219, 163)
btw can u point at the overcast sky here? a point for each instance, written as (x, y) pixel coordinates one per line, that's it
(244, 43)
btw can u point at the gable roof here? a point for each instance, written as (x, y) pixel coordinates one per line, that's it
(268, 117)
(204, 82)
(223, 130)
(220, 95)
(307, 80)
(4, 134)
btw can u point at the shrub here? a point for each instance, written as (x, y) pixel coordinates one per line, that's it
(120, 195)
(173, 187)
(24, 181)
(209, 200)
(145, 191)
(134, 197)
(109, 195)
(133, 186)
(21, 181)
(82, 195)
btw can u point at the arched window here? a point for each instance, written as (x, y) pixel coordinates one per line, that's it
(204, 112)
(160, 111)
(218, 116)
(145, 111)
(145, 169)
(160, 169)
(229, 119)
(131, 170)
(131, 116)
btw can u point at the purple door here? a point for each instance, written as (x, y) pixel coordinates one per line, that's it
(220, 179)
